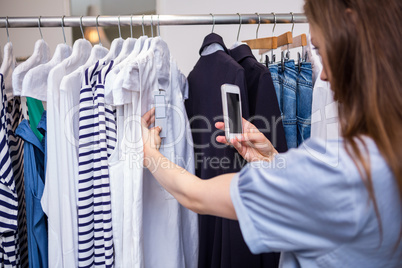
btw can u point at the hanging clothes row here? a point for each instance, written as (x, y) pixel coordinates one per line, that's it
(73, 188)
(89, 202)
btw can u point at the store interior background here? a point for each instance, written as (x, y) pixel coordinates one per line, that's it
(184, 41)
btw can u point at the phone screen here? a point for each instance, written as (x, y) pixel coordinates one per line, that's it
(233, 101)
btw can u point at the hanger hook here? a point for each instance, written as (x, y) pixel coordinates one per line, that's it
(273, 29)
(82, 31)
(119, 25)
(152, 27)
(293, 21)
(39, 27)
(159, 30)
(143, 32)
(131, 25)
(259, 23)
(238, 32)
(8, 36)
(97, 29)
(213, 22)
(62, 27)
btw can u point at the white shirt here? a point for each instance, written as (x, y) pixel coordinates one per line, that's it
(324, 109)
(324, 112)
(170, 231)
(59, 200)
(116, 174)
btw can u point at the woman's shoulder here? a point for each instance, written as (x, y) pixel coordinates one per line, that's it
(332, 154)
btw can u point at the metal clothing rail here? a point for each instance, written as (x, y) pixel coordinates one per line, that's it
(136, 20)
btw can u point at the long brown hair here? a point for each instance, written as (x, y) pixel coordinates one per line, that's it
(363, 44)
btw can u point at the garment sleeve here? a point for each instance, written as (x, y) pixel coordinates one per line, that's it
(298, 202)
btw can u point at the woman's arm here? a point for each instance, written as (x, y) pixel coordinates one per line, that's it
(210, 197)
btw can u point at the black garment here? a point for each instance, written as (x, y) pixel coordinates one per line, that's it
(221, 241)
(262, 100)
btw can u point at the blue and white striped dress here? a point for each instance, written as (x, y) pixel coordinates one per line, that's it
(97, 136)
(13, 232)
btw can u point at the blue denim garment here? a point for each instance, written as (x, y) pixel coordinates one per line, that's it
(34, 181)
(288, 100)
(304, 101)
(276, 79)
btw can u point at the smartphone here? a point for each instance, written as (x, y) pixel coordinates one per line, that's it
(231, 103)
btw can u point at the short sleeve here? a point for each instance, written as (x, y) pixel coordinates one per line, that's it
(302, 201)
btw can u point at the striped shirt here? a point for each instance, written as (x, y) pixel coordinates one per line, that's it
(13, 232)
(96, 127)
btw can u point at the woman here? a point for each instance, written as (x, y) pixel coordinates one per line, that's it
(333, 203)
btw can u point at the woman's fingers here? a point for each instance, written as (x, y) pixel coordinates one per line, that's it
(220, 125)
(221, 139)
(238, 146)
(252, 137)
(154, 135)
(149, 117)
(156, 130)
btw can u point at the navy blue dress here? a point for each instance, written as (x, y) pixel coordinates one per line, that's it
(221, 241)
(263, 103)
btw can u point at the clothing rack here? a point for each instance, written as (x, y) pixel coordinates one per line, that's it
(148, 20)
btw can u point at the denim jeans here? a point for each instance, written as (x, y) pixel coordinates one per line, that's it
(304, 100)
(288, 102)
(276, 79)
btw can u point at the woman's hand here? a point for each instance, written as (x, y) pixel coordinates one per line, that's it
(252, 144)
(150, 137)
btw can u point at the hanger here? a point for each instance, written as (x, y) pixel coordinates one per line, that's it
(238, 31)
(138, 45)
(115, 47)
(97, 29)
(159, 30)
(82, 31)
(127, 48)
(8, 36)
(147, 42)
(213, 22)
(152, 27)
(40, 55)
(118, 25)
(266, 43)
(298, 41)
(35, 81)
(98, 52)
(8, 64)
(131, 25)
(238, 43)
(80, 53)
(71, 82)
(143, 32)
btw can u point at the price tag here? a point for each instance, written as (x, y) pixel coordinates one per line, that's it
(160, 112)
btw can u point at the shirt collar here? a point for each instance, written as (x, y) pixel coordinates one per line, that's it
(241, 52)
(213, 38)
